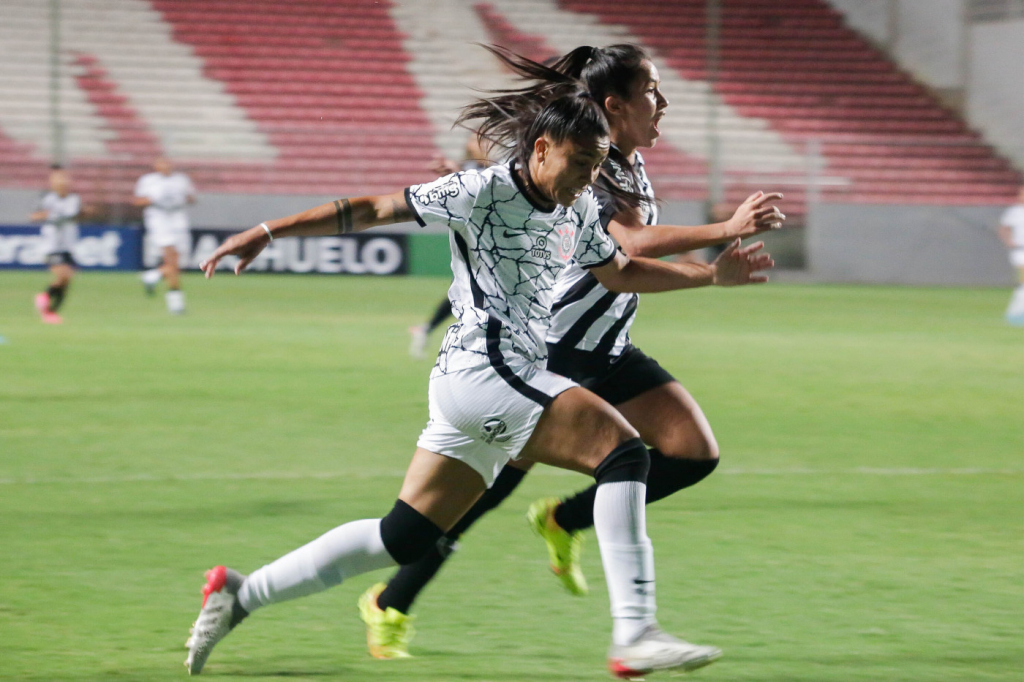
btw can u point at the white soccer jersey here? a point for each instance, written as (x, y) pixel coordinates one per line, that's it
(60, 229)
(586, 315)
(506, 255)
(169, 194)
(1013, 218)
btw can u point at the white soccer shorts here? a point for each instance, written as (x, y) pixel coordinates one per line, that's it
(484, 416)
(1017, 258)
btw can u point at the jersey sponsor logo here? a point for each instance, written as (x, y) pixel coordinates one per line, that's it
(540, 250)
(438, 194)
(494, 430)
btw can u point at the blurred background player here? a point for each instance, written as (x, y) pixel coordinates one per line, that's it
(58, 210)
(476, 158)
(1011, 230)
(164, 195)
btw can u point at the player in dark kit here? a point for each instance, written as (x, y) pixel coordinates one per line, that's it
(588, 340)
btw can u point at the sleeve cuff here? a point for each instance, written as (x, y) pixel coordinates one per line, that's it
(412, 207)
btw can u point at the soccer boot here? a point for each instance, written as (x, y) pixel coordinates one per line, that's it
(563, 546)
(658, 650)
(388, 632)
(220, 613)
(42, 303)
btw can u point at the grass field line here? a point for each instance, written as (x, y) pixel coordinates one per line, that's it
(546, 471)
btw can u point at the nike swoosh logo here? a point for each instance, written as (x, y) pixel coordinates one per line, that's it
(641, 582)
(506, 234)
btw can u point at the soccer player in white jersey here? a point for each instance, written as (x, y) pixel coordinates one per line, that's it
(475, 157)
(513, 228)
(59, 210)
(164, 196)
(1011, 230)
(588, 341)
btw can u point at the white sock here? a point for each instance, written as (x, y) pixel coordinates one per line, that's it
(620, 521)
(153, 276)
(175, 301)
(1016, 306)
(346, 551)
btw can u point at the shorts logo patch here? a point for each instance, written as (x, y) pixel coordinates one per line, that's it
(494, 430)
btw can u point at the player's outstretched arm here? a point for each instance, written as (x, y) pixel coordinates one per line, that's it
(735, 266)
(343, 216)
(754, 216)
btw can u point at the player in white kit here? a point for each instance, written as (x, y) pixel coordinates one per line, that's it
(1011, 230)
(59, 210)
(165, 195)
(588, 341)
(513, 228)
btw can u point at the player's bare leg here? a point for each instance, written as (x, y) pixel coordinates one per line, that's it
(436, 492)
(1015, 311)
(48, 302)
(561, 439)
(172, 273)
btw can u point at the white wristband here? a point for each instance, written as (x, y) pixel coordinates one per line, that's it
(267, 229)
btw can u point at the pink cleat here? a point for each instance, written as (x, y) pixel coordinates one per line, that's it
(52, 318)
(43, 303)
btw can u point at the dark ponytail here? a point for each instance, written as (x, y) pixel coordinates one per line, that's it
(556, 102)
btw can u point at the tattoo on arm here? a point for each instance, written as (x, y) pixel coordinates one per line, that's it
(400, 211)
(343, 213)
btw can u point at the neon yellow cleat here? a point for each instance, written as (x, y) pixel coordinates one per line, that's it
(387, 632)
(563, 547)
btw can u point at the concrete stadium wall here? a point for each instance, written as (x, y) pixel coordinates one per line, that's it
(916, 245)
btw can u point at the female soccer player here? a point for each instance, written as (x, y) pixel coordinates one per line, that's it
(588, 339)
(513, 228)
(58, 210)
(164, 196)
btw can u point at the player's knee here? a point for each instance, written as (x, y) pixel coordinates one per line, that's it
(407, 534)
(688, 441)
(629, 461)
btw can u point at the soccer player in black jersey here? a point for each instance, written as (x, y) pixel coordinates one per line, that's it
(513, 228)
(588, 339)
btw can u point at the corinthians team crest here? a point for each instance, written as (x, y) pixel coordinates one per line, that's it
(565, 235)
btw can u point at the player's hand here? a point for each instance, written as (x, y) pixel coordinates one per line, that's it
(442, 166)
(742, 265)
(246, 245)
(756, 215)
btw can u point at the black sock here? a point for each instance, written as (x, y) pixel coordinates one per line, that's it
(442, 313)
(409, 581)
(56, 295)
(667, 475)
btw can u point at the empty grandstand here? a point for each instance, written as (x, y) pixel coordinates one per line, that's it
(349, 96)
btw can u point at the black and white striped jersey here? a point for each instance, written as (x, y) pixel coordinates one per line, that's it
(506, 255)
(60, 229)
(586, 316)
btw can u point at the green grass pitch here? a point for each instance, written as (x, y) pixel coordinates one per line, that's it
(866, 523)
